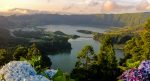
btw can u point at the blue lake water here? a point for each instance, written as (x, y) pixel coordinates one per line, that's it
(66, 60)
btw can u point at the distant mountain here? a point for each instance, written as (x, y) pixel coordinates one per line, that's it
(97, 20)
(5, 22)
(21, 11)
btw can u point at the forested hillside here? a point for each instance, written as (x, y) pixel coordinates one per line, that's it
(97, 20)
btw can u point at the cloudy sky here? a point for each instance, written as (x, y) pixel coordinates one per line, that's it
(78, 6)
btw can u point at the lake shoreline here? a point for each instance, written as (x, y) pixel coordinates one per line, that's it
(69, 59)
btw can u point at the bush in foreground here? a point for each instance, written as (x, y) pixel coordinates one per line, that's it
(142, 73)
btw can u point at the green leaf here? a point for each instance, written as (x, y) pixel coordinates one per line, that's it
(71, 80)
(23, 59)
(60, 78)
(59, 73)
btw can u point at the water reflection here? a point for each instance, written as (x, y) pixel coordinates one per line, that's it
(60, 52)
(66, 60)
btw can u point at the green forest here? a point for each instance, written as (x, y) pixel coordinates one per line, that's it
(90, 66)
(74, 40)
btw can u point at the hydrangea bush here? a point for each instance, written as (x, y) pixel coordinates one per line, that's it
(20, 71)
(142, 73)
(134, 75)
(145, 66)
(50, 72)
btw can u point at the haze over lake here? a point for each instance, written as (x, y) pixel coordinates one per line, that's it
(72, 30)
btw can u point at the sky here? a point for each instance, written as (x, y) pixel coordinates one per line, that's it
(79, 6)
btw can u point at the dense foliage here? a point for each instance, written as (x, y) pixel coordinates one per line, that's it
(119, 35)
(45, 41)
(32, 54)
(92, 67)
(137, 49)
(39, 62)
(3, 57)
(104, 64)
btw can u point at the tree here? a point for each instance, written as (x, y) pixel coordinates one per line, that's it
(129, 45)
(40, 60)
(2, 53)
(99, 67)
(147, 25)
(146, 39)
(107, 62)
(134, 53)
(107, 54)
(138, 48)
(146, 47)
(36, 62)
(3, 56)
(33, 51)
(20, 51)
(85, 57)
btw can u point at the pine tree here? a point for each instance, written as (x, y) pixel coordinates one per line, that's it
(107, 61)
(107, 54)
(85, 57)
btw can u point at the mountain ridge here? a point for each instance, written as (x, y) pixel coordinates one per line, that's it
(94, 20)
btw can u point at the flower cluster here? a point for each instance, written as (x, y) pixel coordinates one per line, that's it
(134, 75)
(20, 71)
(142, 73)
(50, 72)
(145, 66)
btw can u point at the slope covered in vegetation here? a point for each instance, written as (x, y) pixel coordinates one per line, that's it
(97, 20)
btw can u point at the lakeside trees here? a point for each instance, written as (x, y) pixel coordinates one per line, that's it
(86, 57)
(45, 41)
(105, 66)
(137, 49)
(32, 54)
(107, 61)
(97, 67)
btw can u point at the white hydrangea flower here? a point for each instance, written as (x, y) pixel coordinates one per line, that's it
(20, 71)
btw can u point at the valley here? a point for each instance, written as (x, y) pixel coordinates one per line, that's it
(51, 42)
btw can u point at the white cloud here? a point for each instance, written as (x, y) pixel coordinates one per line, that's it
(144, 5)
(102, 6)
(86, 6)
(113, 6)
